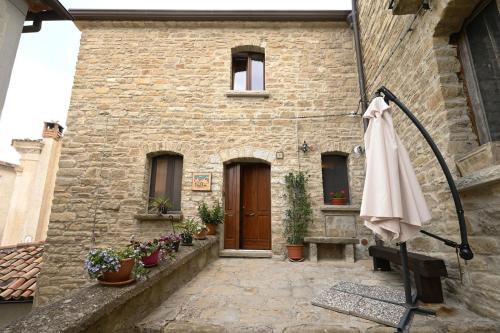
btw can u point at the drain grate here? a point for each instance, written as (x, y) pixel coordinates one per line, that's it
(364, 301)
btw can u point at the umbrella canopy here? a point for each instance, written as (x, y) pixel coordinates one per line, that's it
(393, 205)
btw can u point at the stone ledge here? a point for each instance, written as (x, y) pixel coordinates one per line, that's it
(175, 217)
(246, 253)
(340, 208)
(479, 179)
(106, 309)
(248, 93)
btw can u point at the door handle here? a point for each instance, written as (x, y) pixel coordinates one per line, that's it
(250, 214)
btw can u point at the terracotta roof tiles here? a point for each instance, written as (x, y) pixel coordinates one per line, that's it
(19, 269)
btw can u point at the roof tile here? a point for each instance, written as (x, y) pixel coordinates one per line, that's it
(19, 269)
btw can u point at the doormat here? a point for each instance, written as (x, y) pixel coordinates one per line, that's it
(381, 293)
(383, 312)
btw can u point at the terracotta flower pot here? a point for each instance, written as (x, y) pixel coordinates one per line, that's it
(211, 229)
(151, 260)
(123, 274)
(339, 201)
(295, 252)
(201, 235)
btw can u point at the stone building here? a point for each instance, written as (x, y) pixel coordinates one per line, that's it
(153, 95)
(168, 94)
(28, 188)
(441, 63)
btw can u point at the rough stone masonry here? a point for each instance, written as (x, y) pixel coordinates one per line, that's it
(147, 87)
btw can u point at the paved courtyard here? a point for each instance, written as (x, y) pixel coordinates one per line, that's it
(264, 295)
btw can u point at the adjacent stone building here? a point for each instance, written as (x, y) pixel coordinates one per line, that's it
(246, 99)
(443, 64)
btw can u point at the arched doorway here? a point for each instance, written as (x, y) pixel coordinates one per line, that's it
(247, 206)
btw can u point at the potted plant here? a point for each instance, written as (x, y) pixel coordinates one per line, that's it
(149, 252)
(160, 205)
(114, 267)
(190, 227)
(338, 198)
(171, 241)
(297, 216)
(211, 217)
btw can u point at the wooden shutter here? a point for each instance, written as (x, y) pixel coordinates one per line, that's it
(232, 207)
(166, 179)
(335, 176)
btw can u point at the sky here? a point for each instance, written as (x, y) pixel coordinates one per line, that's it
(42, 77)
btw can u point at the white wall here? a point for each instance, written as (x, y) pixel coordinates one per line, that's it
(12, 14)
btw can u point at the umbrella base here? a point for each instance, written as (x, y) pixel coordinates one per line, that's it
(380, 304)
(412, 310)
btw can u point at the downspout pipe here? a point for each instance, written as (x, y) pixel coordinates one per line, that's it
(35, 27)
(353, 18)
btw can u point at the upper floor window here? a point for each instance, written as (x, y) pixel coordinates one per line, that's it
(479, 48)
(166, 179)
(335, 177)
(247, 71)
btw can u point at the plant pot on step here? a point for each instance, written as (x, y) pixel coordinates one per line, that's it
(175, 246)
(201, 235)
(151, 260)
(295, 252)
(187, 240)
(211, 229)
(339, 201)
(123, 276)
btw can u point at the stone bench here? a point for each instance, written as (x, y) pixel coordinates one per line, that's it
(348, 242)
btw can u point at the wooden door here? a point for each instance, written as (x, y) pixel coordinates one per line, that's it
(232, 203)
(255, 224)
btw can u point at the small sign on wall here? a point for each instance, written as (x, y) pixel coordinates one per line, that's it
(202, 181)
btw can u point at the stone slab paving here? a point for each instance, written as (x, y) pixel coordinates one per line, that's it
(265, 295)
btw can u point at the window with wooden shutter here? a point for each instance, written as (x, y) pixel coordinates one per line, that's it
(479, 49)
(166, 179)
(335, 176)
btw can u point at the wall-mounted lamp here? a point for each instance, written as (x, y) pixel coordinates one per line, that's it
(305, 147)
(358, 151)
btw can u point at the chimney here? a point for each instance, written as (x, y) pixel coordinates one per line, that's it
(52, 130)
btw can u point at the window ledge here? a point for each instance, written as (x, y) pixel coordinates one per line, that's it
(479, 179)
(340, 208)
(248, 93)
(171, 217)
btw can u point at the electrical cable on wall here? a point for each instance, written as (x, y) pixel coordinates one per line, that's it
(99, 180)
(395, 47)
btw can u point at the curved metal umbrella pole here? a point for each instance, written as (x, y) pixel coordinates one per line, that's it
(464, 249)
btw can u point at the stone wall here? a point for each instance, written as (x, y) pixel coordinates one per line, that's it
(148, 87)
(420, 66)
(103, 309)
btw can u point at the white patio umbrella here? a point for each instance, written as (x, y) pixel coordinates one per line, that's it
(393, 205)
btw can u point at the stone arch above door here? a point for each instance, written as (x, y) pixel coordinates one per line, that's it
(235, 154)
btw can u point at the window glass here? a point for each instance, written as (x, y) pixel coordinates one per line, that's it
(240, 72)
(483, 35)
(166, 179)
(335, 179)
(257, 72)
(248, 71)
